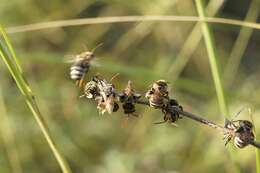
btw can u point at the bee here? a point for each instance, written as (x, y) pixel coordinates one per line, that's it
(158, 94)
(91, 90)
(241, 131)
(170, 115)
(107, 96)
(81, 65)
(128, 97)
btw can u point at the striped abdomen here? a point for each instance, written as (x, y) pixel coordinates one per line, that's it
(78, 70)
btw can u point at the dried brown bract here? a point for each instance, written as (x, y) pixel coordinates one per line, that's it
(128, 98)
(170, 114)
(107, 96)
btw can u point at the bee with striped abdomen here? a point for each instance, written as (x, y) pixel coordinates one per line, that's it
(158, 94)
(241, 131)
(80, 66)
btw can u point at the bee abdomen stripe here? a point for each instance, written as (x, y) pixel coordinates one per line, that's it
(75, 77)
(74, 72)
(78, 68)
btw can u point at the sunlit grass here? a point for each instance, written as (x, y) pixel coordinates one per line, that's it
(9, 57)
(212, 56)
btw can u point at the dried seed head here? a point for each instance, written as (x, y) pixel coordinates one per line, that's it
(129, 98)
(107, 96)
(170, 114)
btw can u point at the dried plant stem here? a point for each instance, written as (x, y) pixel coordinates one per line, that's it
(122, 19)
(199, 119)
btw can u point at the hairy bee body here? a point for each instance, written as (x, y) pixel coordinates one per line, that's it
(80, 66)
(170, 115)
(158, 94)
(242, 133)
(91, 90)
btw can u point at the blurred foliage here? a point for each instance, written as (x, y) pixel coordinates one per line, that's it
(143, 53)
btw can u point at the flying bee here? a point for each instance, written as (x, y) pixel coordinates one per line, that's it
(241, 131)
(128, 97)
(171, 115)
(81, 64)
(158, 94)
(107, 96)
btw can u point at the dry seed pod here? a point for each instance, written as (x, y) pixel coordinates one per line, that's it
(158, 94)
(128, 97)
(107, 98)
(170, 115)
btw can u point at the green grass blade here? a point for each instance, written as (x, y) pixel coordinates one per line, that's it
(212, 59)
(9, 57)
(214, 69)
(8, 136)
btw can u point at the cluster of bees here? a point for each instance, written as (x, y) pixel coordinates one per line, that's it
(104, 93)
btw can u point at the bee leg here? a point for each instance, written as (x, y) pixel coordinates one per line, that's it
(161, 122)
(135, 115)
(77, 82)
(81, 83)
(227, 141)
(174, 124)
(125, 121)
(82, 96)
(114, 77)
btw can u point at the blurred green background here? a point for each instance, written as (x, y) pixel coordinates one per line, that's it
(142, 52)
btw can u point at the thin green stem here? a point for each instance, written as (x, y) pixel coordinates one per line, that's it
(210, 46)
(212, 59)
(8, 135)
(11, 61)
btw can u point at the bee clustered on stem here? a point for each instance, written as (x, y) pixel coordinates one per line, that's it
(157, 97)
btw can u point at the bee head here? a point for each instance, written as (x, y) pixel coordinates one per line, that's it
(247, 125)
(161, 86)
(88, 55)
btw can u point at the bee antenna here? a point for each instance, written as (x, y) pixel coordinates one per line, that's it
(95, 48)
(239, 112)
(161, 122)
(85, 47)
(113, 77)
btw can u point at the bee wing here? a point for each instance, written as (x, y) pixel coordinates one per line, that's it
(96, 62)
(69, 58)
